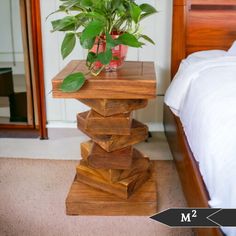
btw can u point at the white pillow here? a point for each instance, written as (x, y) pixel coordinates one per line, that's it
(208, 54)
(232, 50)
(178, 85)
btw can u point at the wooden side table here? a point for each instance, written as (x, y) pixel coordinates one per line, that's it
(113, 177)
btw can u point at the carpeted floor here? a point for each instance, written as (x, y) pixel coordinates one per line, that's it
(32, 195)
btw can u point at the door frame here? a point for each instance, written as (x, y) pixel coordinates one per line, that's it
(38, 65)
(38, 77)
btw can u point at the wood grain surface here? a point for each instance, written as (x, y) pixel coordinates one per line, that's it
(138, 133)
(109, 125)
(109, 107)
(126, 183)
(85, 200)
(122, 189)
(101, 159)
(135, 80)
(201, 25)
(140, 164)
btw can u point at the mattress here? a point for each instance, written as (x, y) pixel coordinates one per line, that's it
(203, 95)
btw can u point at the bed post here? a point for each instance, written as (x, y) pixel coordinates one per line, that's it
(178, 34)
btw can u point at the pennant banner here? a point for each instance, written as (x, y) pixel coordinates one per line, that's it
(197, 217)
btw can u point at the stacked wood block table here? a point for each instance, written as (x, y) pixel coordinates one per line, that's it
(113, 177)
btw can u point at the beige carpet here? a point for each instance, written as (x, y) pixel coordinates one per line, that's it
(32, 195)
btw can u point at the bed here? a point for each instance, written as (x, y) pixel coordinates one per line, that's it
(198, 25)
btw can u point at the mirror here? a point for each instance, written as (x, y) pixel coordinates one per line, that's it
(14, 100)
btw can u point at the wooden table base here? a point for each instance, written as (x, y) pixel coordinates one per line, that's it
(85, 200)
(113, 177)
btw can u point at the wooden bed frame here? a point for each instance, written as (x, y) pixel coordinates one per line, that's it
(197, 25)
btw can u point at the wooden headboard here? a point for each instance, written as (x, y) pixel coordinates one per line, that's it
(201, 25)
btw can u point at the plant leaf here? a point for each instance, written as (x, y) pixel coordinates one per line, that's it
(121, 9)
(70, 4)
(73, 82)
(91, 58)
(147, 39)
(110, 42)
(68, 44)
(147, 9)
(92, 30)
(115, 4)
(129, 40)
(144, 15)
(67, 23)
(61, 9)
(86, 3)
(95, 15)
(135, 12)
(105, 57)
(87, 43)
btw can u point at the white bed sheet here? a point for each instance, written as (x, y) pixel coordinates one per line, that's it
(203, 95)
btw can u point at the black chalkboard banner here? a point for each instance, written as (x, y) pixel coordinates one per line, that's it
(197, 217)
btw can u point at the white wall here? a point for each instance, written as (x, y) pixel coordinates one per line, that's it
(62, 112)
(6, 49)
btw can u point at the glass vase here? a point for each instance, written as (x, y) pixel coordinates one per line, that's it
(118, 54)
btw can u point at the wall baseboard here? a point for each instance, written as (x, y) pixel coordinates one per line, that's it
(153, 126)
(61, 124)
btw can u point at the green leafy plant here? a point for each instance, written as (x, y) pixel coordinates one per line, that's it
(94, 21)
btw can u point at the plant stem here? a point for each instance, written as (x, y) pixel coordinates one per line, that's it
(97, 51)
(96, 73)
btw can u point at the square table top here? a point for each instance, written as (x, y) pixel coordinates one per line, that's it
(134, 80)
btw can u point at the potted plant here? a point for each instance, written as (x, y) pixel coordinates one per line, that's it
(105, 28)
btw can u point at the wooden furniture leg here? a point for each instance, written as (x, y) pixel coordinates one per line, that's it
(111, 175)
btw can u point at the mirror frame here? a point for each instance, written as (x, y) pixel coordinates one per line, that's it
(32, 130)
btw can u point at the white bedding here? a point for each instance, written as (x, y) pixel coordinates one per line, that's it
(203, 95)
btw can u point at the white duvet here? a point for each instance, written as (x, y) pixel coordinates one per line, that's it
(203, 95)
